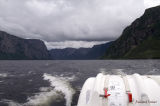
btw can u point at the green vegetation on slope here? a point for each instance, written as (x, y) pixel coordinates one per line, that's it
(140, 40)
(150, 49)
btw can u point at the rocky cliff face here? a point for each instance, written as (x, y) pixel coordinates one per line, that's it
(139, 40)
(12, 47)
(79, 54)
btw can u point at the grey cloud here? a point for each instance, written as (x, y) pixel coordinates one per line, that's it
(69, 20)
(53, 20)
(151, 3)
(73, 44)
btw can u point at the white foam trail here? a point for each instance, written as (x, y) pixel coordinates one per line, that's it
(3, 74)
(119, 72)
(49, 94)
(61, 84)
(153, 71)
(103, 71)
(42, 99)
(1, 81)
(11, 103)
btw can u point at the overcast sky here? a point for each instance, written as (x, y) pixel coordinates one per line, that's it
(70, 23)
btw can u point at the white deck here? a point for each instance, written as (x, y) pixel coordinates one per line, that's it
(145, 90)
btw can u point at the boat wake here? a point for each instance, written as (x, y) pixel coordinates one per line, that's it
(60, 88)
(2, 75)
(112, 71)
(61, 84)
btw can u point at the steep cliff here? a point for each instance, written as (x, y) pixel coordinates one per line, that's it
(140, 40)
(12, 47)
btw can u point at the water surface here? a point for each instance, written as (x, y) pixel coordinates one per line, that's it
(58, 83)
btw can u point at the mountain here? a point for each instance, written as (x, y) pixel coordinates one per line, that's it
(140, 40)
(79, 54)
(12, 47)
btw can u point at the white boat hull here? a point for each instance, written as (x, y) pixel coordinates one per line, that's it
(129, 90)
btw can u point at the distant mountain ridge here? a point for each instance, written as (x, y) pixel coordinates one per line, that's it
(79, 54)
(15, 48)
(140, 40)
